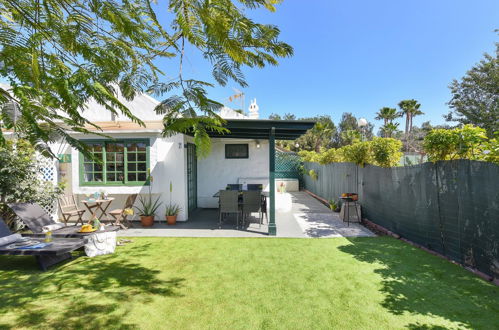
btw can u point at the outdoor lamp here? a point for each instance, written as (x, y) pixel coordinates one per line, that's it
(362, 122)
(257, 144)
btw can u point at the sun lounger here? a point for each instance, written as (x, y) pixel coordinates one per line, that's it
(36, 219)
(46, 254)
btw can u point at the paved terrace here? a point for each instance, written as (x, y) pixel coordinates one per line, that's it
(298, 215)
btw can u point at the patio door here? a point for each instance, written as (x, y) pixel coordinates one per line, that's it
(192, 177)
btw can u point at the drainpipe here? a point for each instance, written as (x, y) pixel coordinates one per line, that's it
(272, 226)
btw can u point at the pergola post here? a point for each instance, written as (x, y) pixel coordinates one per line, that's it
(272, 226)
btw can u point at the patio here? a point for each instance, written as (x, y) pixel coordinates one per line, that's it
(298, 215)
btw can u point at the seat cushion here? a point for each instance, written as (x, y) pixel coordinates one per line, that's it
(117, 211)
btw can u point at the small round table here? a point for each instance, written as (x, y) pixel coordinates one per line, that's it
(98, 205)
(346, 201)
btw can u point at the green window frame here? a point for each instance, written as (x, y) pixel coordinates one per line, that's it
(124, 162)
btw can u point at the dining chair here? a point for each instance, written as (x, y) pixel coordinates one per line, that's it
(255, 187)
(228, 204)
(69, 208)
(120, 216)
(236, 187)
(252, 202)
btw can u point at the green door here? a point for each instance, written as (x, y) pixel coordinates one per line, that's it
(192, 177)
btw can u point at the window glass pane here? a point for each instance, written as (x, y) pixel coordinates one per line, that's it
(88, 168)
(132, 167)
(111, 167)
(132, 157)
(120, 157)
(236, 151)
(97, 167)
(141, 157)
(111, 177)
(141, 146)
(141, 177)
(132, 177)
(98, 177)
(141, 167)
(131, 146)
(110, 157)
(88, 177)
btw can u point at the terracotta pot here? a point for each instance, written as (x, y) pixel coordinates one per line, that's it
(147, 221)
(171, 219)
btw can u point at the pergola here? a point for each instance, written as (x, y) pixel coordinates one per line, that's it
(271, 130)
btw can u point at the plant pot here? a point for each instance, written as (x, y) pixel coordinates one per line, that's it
(171, 219)
(147, 220)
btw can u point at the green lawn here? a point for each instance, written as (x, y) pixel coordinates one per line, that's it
(248, 283)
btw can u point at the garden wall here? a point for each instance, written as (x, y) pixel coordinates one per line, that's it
(451, 207)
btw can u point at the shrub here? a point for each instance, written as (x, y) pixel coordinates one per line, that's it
(313, 174)
(358, 153)
(386, 151)
(330, 156)
(308, 156)
(467, 142)
(19, 181)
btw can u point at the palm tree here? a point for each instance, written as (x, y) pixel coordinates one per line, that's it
(387, 114)
(409, 109)
(388, 129)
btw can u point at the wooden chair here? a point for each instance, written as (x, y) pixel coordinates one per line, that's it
(120, 216)
(69, 208)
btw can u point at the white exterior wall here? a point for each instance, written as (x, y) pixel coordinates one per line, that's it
(215, 172)
(167, 163)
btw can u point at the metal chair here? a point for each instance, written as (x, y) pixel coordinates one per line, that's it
(69, 208)
(120, 215)
(252, 202)
(228, 203)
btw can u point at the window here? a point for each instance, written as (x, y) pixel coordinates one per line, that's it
(236, 151)
(124, 162)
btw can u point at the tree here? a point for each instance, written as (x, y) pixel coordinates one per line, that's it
(387, 115)
(388, 129)
(349, 123)
(475, 98)
(409, 109)
(58, 54)
(287, 116)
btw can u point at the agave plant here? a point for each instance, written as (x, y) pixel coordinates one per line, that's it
(172, 209)
(148, 205)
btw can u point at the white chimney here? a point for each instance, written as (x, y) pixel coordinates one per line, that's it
(253, 110)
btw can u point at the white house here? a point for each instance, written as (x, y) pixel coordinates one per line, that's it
(244, 155)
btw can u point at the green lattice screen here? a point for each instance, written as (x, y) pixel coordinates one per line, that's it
(288, 165)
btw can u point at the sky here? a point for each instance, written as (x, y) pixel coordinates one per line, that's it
(359, 56)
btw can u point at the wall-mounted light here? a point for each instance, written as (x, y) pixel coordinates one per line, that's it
(180, 145)
(257, 144)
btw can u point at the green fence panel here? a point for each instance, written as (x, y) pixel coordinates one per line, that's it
(451, 207)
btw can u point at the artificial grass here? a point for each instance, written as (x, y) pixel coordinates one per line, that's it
(194, 283)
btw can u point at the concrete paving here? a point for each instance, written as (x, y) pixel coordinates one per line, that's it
(298, 215)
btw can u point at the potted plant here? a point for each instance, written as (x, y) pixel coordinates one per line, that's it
(334, 205)
(171, 212)
(148, 207)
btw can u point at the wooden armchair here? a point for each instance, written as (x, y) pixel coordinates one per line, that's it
(69, 208)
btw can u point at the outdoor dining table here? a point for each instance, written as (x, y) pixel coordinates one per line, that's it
(94, 206)
(263, 193)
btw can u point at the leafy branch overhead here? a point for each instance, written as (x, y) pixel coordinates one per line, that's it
(57, 55)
